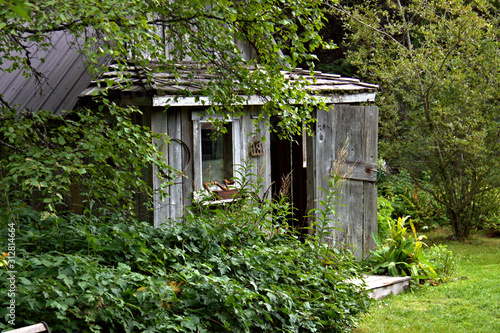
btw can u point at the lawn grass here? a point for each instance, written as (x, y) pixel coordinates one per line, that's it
(471, 304)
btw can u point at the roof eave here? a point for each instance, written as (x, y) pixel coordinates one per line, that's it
(338, 98)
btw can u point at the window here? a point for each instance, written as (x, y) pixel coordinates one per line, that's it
(215, 155)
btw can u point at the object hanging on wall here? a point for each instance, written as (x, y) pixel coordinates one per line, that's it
(256, 147)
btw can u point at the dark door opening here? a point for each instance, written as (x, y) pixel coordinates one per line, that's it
(289, 176)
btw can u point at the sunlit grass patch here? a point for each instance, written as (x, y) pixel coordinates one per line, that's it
(468, 304)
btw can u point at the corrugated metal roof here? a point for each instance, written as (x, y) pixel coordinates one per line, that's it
(64, 72)
(188, 79)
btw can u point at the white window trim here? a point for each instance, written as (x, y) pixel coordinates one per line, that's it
(198, 118)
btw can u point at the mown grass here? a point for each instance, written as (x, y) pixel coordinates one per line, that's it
(469, 304)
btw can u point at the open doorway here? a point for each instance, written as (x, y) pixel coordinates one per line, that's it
(289, 174)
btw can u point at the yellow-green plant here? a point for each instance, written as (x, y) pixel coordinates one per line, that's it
(401, 254)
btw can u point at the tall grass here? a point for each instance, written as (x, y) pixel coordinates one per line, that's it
(469, 304)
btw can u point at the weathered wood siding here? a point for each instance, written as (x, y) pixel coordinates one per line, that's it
(356, 128)
(261, 165)
(181, 124)
(159, 124)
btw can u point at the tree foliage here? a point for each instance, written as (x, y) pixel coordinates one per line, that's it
(81, 150)
(233, 268)
(93, 159)
(283, 34)
(438, 67)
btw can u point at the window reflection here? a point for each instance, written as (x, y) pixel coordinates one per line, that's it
(217, 154)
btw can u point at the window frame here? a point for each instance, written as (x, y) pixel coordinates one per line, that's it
(198, 118)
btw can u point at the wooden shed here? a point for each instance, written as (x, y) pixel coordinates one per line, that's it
(349, 117)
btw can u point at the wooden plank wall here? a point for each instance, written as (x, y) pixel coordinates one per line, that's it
(187, 159)
(177, 123)
(323, 157)
(356, 128)
(261, 165)
(370, 190)
(159, 124)
(176, 199)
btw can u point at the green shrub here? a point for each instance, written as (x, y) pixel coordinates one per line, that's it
(409, 200)
(401, 254)
(85, 160)
(230, 269)
(443, 260)
(492, 226)
(384, 217)
(490, 220)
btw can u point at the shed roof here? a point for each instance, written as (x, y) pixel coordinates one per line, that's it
(178, 86)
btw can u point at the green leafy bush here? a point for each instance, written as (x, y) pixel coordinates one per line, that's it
(492, 226)
(85, 160)
(408, 199)
(384, 217)
(402, 254)
(490, 220)
(232, 268)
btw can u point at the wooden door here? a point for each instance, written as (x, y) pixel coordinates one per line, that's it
(354, 127)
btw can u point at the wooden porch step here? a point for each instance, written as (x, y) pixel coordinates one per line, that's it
(380, 286)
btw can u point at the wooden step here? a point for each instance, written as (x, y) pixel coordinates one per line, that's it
(380, 286)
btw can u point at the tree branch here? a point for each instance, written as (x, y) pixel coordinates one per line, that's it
(345, 12)
(8, 145)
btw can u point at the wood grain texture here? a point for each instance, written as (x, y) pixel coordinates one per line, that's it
(159, 124)
(355, 129)
(187, 161)
(371, 135)
(175, 203)
(324, 156)
(370, 225)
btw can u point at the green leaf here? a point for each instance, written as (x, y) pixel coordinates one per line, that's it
(21, 11)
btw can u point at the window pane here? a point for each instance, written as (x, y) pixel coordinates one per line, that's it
(217, 154)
